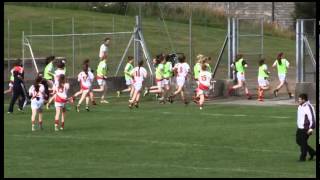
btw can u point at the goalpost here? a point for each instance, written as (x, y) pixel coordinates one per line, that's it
(77, 46)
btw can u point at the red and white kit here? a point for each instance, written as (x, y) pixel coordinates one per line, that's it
(85, 80)
(61, 97)
(37, 98)
(183, 70)
(139, 74)
(204, 82)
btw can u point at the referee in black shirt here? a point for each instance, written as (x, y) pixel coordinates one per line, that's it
(306, 125)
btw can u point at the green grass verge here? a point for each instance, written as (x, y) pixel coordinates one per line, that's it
(157, 141)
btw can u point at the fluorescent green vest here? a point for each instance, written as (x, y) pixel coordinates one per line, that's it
(159, 71)
(239, 66)
(282, 69)
(262, 73)
(102, 69)
(127, 71)
(196, 70)
(167, 70)
(48, 71)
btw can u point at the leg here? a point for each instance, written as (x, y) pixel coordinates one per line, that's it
(201, 101)
(56, 119)
(13, 101)
(33, 118)
(62, 118)
(40, 118)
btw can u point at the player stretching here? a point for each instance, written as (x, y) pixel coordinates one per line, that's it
(263, 82)
(239, 65)
(182, 69)
(139, 74)
(128, 78)
(60, 97)
(37, 93)
(282, 66)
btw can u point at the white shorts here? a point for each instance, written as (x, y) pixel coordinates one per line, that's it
(128, 82)
(160, 84)
(165, 82)
(10, 84)
(58, 104)
(35, 104)
(263, 82)
(240, 76)
(101, 82)
(282, 77)
(137, 86)
(181, 81)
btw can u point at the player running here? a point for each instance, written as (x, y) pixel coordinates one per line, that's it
(101, 79)
(139, 74)
(282, 67)
(239, 65)
(263, 75)
(204, 84)
(85, 78)
(128, 78)
(182, 69)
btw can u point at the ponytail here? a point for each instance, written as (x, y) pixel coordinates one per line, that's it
(37, 83)
(279, 58)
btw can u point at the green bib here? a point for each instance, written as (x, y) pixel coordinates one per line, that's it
(262, 73)
(282, 69)
(48, 71)
(167, 70)
(196, 70)
(127, 71)
(239, 66)
(102, 69)
(209, 68)
(159, 72)
(11, 78)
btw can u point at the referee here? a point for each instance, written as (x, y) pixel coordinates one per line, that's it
(306, 125)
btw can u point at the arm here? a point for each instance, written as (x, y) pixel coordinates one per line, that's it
(274, 64)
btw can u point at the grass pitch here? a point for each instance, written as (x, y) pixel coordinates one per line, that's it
(157, 140)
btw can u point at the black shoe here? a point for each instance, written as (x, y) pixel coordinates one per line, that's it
(311, 157)
(290, 95)
(186, 103)
(170, 99)
(136, 105)
(87, 108)
(275, 92)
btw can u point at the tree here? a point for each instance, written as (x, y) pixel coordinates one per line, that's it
(305, 10)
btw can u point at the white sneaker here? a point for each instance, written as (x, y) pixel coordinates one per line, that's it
(33, 128)
(146, 92)
(56, 128)
(118, 93)
(104, 101)
(61, 128)
(200, 108)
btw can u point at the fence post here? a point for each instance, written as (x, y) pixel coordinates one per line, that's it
(73, 51)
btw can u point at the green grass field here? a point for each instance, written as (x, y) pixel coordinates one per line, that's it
(157, 141)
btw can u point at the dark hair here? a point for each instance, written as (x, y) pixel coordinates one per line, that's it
(62, 80)
(279, 58)
(106, 39)
(239, 56)
(204, 67)
(304, 96)
(130, 58)
(49, 59)
(85, 68)
(18, 62)
(261, 62)
(60, 64)
(37, 82)
(182, 58)
(140, 63)
(86, 61)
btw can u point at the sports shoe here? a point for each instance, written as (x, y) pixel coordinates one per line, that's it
(61, 128)
(9, 112)
(249, 96)
(56, 128)
(104, 101)
(146, 92)
(311, 157)
(130, 105)
(170, 99)
(87, 108)
(47, 106)
(200, 108)
(78, 108)
(118, 93)
(290, 95)
(260, 99)
(186, 103)
(33, 128)
(275, 92)
(136, 105)
(21, 110)
(94, 103)
(230, 90)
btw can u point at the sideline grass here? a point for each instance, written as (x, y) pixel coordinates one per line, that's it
(157, 141)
